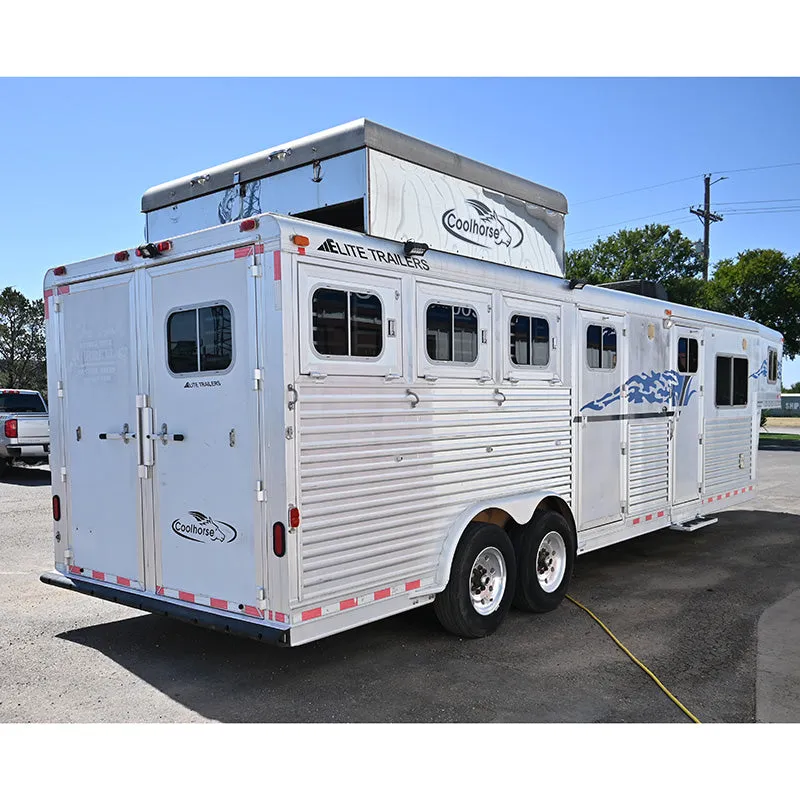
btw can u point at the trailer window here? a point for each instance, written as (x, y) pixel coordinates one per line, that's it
(772, 368)
(731, 381)
(601, 347)
(451, 333)
(348, 324)
(200, 340)
(530, 341)
(687, 355)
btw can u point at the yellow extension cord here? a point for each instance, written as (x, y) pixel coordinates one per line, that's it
(636, 661)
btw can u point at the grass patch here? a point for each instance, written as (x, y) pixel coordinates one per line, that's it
(793, 437)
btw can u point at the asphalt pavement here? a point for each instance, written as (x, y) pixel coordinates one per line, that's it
(688, 605)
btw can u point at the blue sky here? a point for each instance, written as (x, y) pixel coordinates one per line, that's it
(77, 154)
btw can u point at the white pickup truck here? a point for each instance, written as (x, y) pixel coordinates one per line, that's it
(24, 428)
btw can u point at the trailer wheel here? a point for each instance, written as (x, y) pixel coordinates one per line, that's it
(481, 585)
(545, 551)
(5, 466)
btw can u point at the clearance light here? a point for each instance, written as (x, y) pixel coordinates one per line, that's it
(294, 517)
(248, 225)
(60, 271)
(279, 539)
(123, 255)
(11, 429)
(301, 241)
(151, 250)
(56, 507)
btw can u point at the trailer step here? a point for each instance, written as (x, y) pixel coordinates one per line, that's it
(693, 524)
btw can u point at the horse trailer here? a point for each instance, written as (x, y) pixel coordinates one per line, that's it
(346, 377)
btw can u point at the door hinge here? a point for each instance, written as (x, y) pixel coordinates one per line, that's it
(68, 556)
(262, 598)
(700, 439)
(622, 507)
(60, 387)
(290, 432)
(63, 474)
(255, 266)
(623, 448)
(258, 376)
(261, 495)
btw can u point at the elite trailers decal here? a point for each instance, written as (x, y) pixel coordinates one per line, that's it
(201, 528)
(477, 224)
(371, 254)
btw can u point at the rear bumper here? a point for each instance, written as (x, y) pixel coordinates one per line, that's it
(23, 451)
(156, 605)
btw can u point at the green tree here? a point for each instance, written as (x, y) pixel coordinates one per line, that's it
(654, 252)
(762, 285)
(22, 342)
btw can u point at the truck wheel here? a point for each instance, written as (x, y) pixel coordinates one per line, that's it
(545, 551)
(481, 586)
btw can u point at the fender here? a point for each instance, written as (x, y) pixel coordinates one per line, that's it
(520, 507)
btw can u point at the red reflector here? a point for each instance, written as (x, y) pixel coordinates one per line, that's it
(279, 539)
(56, 507)
(11, 429)
(60, 271)
(123, 255)
(163, 247)
(294, 517)
(248, 225)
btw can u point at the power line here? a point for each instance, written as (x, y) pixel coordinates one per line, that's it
(764, 211)
(632, 191)
(622, 222)
(754, 169)
(745, 202)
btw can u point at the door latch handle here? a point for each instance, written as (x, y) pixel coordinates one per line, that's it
(165, 436)
(124, 434)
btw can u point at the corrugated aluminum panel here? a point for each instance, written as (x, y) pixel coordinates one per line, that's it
(728, 452)
(648, 465)
(380, 483)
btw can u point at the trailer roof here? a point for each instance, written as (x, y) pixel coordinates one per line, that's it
(343, 139)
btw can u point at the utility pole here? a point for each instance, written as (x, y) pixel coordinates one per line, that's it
(708, 217)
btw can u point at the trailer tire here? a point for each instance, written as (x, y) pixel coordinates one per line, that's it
(480, 588)
(545, 551)
(5, 466)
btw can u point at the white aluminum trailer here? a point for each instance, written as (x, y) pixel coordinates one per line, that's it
(284, 429)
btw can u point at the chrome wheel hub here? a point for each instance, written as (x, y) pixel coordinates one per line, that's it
(487, 580)
(551, 561)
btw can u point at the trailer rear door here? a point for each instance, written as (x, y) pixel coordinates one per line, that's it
(204, 441)
(97, 330)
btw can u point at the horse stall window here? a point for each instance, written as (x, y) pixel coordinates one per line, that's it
(687, 355)
(347, 324)
(772, 368)
(601, 347)
(451, 333)
(731, 381)
(530, 341)
(199, 340)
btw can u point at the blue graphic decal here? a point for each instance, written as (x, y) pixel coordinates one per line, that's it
(656, 387)
(762, 370)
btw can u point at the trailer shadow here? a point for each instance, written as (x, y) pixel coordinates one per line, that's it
(687, 604)
(27, 476)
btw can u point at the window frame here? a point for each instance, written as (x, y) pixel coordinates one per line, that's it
(772, 353)
(732, 357)
(348, 290)
(196, 307)
(688, 371)
(601, 325)
(531, 316)
(451, 362)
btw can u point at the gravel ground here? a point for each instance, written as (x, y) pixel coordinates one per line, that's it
(688, 605)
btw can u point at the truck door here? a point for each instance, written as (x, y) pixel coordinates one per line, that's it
(601, 413)
(203, 420)
(101, 352)
(686, 405)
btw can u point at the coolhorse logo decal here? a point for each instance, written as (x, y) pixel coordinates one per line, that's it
(478, 224)
(657, 387)
(201, 528)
